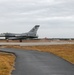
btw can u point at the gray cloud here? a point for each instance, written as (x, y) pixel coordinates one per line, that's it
(52, 15)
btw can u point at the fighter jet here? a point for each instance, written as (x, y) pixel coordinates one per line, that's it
(14, 36)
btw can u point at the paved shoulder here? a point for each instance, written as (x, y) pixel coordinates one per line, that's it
(39, 63)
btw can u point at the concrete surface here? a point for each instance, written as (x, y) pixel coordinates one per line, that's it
(39, 63)
(35, 43)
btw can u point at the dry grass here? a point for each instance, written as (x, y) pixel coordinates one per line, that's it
(6, 63)
(64, 51)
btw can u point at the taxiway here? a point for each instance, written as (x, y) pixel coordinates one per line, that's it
(39, 63)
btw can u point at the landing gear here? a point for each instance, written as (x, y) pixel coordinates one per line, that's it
(7, 40)
(20, 40)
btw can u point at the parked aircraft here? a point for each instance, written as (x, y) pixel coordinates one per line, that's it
(12, 36)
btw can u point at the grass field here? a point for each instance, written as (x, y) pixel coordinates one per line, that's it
(6, 63)
(64, 51)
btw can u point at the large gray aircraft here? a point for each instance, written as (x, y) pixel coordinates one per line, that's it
(13, 36)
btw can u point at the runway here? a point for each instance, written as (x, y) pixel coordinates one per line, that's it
(34, 43)
(39, 63)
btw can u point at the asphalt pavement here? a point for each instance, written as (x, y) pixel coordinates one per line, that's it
(30, 62)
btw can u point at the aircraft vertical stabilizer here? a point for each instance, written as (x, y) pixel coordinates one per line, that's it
(34, 29)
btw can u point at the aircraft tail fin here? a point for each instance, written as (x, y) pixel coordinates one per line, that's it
(34, 29)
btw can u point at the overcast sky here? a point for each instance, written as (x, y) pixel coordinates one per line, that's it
(55, 17)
